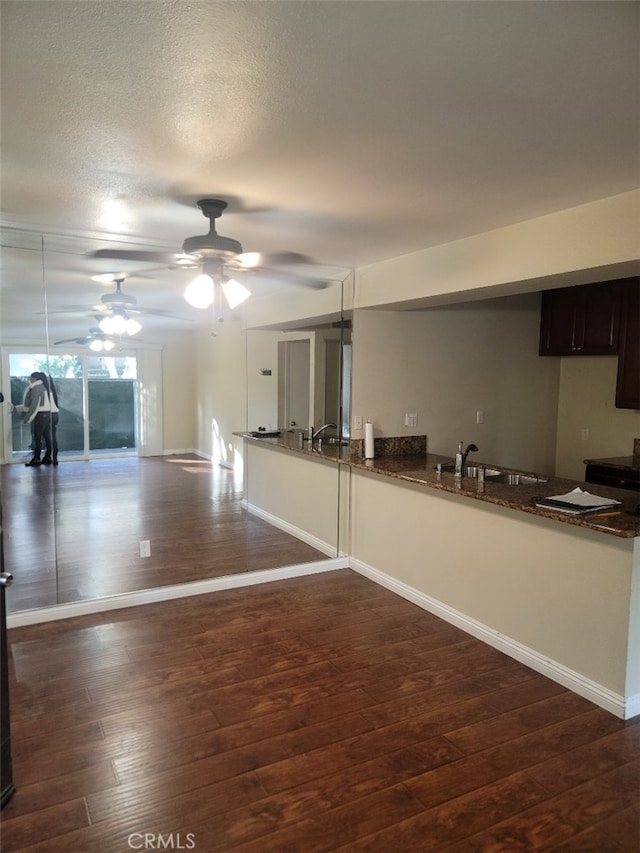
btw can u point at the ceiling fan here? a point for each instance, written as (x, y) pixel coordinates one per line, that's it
(219, 258)
(115, 310)
(96, 340)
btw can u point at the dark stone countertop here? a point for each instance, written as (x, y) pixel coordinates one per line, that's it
(419, 469)
(619, 463)
(287, 440)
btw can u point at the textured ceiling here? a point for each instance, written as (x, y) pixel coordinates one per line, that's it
(348, 131)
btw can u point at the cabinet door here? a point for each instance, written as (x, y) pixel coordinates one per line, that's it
(581, 320)
(557, 322)
(597, 328)
(628, 383)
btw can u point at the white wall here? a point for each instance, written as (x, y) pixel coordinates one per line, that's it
(445, 364)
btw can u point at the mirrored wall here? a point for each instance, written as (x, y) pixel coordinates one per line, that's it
(155, 483)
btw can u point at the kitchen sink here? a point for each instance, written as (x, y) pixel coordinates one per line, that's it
(471, 470)
(493, 475)
(515, 479)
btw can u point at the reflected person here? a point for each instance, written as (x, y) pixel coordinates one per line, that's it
(37, 409)
(50, 434)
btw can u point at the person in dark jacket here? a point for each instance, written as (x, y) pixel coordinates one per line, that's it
(37, 411)
(50, 433)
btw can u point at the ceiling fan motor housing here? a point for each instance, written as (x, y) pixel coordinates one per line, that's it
(118, 299)
(212, 245)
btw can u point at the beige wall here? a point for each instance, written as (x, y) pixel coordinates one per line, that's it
(564, 592)
(592, 242)
(221, 396)
(445, 364)
(262, 391)
(294, 490)
(587, 401)
(569, 595)
(179, 398)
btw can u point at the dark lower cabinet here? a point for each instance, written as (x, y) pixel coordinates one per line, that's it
(604, 475)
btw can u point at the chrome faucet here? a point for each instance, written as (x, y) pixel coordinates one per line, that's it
(321, 429)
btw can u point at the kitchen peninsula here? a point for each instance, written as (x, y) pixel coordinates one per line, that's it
(420, 469)
(561, 594)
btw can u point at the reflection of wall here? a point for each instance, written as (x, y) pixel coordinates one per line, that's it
(446, 364)
(293, 492)
(179, 380)
(262, 389)
(221, 392)
(587, 401)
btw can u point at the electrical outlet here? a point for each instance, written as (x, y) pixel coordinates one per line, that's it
(145, 548)
(357, 421)
(479, 417)
(584, 434)
(410, 419)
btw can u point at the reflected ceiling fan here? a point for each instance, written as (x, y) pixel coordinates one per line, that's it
(115, 310)
(96, 340)
(219, 259)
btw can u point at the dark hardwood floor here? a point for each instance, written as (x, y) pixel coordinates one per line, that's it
(321, 713)
(73, 532)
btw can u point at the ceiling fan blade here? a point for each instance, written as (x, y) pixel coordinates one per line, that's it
(250, 260)
(152, 312)
(168, 258)
(80, 341)
(284, 277)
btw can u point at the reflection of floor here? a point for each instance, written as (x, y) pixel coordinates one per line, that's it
(73, 532)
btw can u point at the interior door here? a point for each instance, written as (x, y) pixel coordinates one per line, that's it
(294, 358)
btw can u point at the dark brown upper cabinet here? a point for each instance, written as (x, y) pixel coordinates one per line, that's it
(628, 382)
(582, 320)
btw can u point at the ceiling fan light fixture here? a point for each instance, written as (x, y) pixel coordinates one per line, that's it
(200, 292)
(106, 325)
(118, 324)
(234, 292)
(107, 345)
(132, 327)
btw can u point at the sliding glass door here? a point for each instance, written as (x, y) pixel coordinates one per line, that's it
(97, 399)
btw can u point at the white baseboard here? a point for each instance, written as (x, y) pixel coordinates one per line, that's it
(298, 532)
(616, 704)
(167, 593)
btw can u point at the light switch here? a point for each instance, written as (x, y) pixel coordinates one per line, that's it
(357, 421)
(411, 419)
